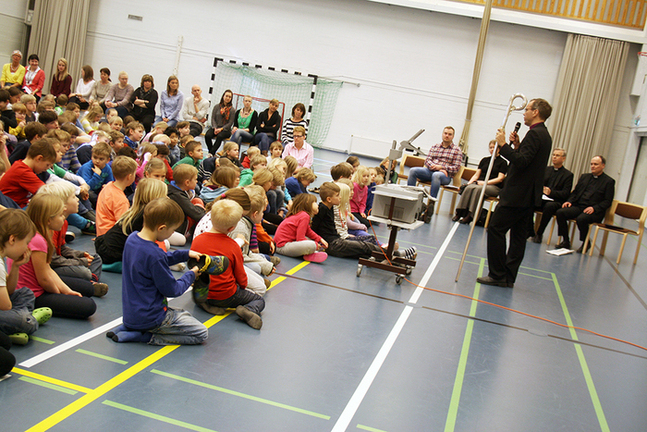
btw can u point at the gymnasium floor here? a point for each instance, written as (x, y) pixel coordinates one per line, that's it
(338, 352)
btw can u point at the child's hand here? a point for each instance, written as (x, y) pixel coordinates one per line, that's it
(363, 227)
(24, 258)
(363, 215)
(96, 170)
(324, 243)
(272, 248)
(196, 270)
(68, 291)
(242, 237)
(88, 257)
(194, 254)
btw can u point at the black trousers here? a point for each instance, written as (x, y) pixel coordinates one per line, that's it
(582, 220)
(504, 264)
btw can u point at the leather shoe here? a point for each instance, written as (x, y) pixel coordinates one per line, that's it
(536, 238)
(487, 280)
(564, 245)
(456, 217)
(466, 219)
(582, 250)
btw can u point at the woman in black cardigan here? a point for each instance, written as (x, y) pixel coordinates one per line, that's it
(267, 127)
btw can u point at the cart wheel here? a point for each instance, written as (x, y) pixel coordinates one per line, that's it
(398, 279)
(409, 270)
(359, 270)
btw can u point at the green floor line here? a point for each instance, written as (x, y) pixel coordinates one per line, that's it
(41, 340)
(452, 414)
(158, 417)
(604, 426)
(101, 356)
(466, 262)
(368, 428)
(535, 276)
(242, 395)
(48, 385)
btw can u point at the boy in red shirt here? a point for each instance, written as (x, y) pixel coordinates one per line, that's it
(227, 290)
(20, 182)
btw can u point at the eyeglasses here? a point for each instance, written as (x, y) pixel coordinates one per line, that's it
(298, 136)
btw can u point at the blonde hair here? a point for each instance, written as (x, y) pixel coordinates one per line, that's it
(262, 176)
(229, 145)
(292, 165)
(64, 73)
(306, 174)
(147, 148)
(94, 111)
(359, 173)
(41, 209)
(101, 149)
(147, 190)
(152, 165)
(257, 160)
(344, 197)
(61, 189)
(184, 172)
(225, 214)
(278, 179)
(253, 151)
(122, 166)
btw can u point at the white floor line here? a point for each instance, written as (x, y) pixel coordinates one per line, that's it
(359, 394)
(70, 344)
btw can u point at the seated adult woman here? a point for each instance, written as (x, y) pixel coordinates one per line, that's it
(119, 96)
(267, 127)
(81, 95)
(34, 78)
(195, 110)
(171, 102)
(144, 100)
(13, 73)
(222, 120)
(244, 123)
(62, 80)
(101, 88)
(298, 111)
(300, 149)
(466, 208)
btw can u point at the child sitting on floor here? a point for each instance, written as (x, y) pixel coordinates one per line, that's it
(97, 172)
(112, 202)
(299, 183)
(223, 179)
(361, 180)
(230, 151)
(227, 290)
(248, 155)
(182, 191)
(258, 161)
(147, 282)
(18, 318)
(294, 237)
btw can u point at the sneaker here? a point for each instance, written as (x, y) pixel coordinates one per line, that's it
(314, 190)
(100, 289)
(90, 229)
(178, 267)
(213, 265)
(275, 260)
(69, 237)
(201, 289)
(90, 215)
(253, 320)
(267, 283)
(42, 315)
(19, 338)
(317, 257)
(408, 253)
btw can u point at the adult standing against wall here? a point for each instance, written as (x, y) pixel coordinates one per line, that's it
(34, 80)
(267, 127)
(195, 110)
(13, 73)
(144, 100)
(222, 120)
(171, 102)
(81, 95)
(520, 194)
(62, 80)
(298, 111)
(101, 88)
(244, 122)
(300, 149)
(119, 96)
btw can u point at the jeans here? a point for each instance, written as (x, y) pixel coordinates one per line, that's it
(170, 122)
(251, 301)
(241, 136)
(179, 328)
(77, 220)
(263, 141)
(19, 318)
(80, 271)
(424, 174)
(275, 199)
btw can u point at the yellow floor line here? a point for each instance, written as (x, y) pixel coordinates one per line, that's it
(50, 380)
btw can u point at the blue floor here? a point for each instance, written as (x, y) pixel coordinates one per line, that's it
(341, 352)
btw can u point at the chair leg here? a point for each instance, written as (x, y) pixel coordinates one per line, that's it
(440, 200)
(489, 214)
(640, 239)
(586, 245)
(604, 243)
(451, 209)
(622, 247)
(595, 238)
(552, 227)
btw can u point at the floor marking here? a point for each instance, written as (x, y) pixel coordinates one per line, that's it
(368, 428)
(50, 380)
(599, 412)
(353, 404)
(70, 344)
(156, 416)
(241, 395)
(48, 385)
(101, 356)
(104, 388)
(109, 385)
(452, 414)
(297, 267)
(42, 340)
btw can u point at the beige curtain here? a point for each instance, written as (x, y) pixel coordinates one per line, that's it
(58, 30)
(586, 98)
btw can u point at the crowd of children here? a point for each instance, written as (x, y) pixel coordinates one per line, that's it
(139, 196)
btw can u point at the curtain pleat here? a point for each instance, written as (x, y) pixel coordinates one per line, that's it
(59, 29)
(586, 98)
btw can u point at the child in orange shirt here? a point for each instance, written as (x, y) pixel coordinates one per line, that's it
(112, 202)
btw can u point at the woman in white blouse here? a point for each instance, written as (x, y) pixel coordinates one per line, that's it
(81, 95)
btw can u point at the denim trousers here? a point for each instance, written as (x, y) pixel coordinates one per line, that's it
(251, 301)
(179, 328)
(424, 174)
(19, 318)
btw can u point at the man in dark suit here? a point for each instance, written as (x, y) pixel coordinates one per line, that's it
(558, 183)
(520, 195)
(588, 203)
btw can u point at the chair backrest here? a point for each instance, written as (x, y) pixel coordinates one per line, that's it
(411, 162)
(468, 173)
(629, 211)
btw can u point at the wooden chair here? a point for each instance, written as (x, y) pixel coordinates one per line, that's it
(454, 187)
(625, 210)
(571, 224)
(409, 161)
(492, 201)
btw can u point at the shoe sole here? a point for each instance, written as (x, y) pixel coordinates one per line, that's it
(100, 289)
(252, 319)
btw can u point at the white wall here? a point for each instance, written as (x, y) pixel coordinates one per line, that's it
(13, 30)
(414, 67)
